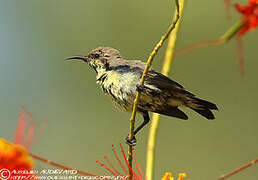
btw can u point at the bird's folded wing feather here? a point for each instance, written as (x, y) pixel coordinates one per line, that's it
(164, 83)
(158, 80)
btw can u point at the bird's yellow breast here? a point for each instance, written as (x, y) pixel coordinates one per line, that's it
(120, 87)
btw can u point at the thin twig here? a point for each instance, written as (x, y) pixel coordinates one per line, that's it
(146, 69)
(228, 35)
(241, 58)
(238, 170)
(198, 46)
(165, 70)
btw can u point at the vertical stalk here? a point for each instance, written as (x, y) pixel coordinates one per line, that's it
(156, 117)
(146, 69)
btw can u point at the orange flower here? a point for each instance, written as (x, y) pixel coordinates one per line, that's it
(168, 176)
(14, 161)
(250, 15)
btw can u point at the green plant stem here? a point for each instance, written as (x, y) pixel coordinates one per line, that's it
(228, 35)
(156, 117)
(146, 69)
(232, 31)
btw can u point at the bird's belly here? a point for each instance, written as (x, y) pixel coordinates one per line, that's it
(121, 89)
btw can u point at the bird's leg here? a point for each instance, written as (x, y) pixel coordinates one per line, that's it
(146, 120)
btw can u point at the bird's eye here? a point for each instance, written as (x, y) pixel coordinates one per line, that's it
(95, 56)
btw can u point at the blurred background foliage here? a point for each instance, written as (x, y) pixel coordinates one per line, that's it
(37, 35)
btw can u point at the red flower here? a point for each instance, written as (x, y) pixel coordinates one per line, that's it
(137, 175)
(15, 162)
(250, 15)
(25, 132)
(15, 159)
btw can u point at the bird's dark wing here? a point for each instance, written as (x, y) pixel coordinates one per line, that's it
(178, 93)
(168, 95)
(164, 83)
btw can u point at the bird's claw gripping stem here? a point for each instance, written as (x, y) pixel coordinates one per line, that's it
(130, 142)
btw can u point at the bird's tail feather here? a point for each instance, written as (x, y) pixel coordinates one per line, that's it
(172, 111)
(200, 106)
(204, 107)
(205, 104)
(205, 112)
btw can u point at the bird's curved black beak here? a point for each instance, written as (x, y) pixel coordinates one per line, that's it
(84, 58)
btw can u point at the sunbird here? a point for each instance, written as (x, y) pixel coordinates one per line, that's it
(119, 79)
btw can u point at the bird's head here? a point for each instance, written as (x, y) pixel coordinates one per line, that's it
(100, 58)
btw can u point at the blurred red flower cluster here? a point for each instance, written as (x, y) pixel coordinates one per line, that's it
(15, 162)
(250, 15)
